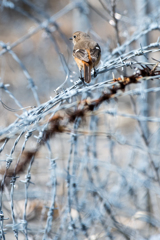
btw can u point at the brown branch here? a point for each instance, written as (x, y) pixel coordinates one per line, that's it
(20, 168)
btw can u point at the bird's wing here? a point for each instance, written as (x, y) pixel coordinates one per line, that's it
(81, 54)
(95, 52)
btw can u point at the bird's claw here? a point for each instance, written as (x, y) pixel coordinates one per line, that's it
(82, 79)
(95, 73)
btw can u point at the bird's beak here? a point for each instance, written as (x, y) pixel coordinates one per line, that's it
(71, 38)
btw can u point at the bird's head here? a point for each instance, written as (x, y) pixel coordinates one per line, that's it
(79, 36)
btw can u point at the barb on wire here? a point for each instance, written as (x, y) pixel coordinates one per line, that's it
(4, 87)
(27, 182)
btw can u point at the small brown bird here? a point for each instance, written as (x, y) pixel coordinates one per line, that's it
(86, 53)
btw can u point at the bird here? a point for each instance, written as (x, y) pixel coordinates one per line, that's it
(86, 53)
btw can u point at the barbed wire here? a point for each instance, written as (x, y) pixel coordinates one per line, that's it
(102, 182)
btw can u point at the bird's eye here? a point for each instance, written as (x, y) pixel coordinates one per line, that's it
(74, 36)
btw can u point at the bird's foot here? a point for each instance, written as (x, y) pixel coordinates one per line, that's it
(83, 81)
(95, 73)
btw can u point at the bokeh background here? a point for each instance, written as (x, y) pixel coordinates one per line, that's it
(95, 174)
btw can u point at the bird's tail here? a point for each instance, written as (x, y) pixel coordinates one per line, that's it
(87, 73)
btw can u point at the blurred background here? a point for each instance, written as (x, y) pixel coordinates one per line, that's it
(104, 181)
